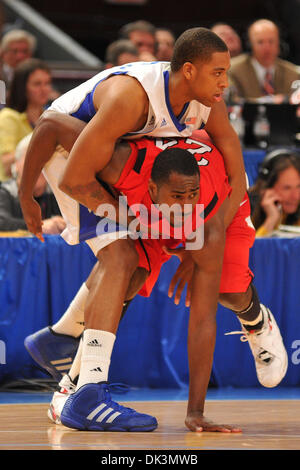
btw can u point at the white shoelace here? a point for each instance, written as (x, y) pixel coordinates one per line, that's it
(243, 338)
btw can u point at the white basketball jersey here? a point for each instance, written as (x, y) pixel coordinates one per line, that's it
(154, 77)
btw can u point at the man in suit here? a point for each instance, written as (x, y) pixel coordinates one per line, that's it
(262, 73)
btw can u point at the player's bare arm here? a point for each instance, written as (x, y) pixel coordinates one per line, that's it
(121, 108)
(202, 323)
(226, 140)
(53, 129)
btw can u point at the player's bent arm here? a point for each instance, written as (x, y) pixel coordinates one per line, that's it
(52, 129)
(227, 141)
(116, 116)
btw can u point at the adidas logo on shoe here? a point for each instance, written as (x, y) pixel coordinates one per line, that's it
(62, 365)
(94, 342)
(54, 352)
(97, 369)
(91, 408)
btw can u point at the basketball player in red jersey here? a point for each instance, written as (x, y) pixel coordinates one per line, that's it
(241, 298)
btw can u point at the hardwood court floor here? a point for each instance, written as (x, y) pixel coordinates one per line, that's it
(266, 425)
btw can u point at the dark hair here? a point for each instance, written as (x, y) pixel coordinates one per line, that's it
(196, 44)
(116, 48)
(175, 160)
(17, 98)
(279, 164)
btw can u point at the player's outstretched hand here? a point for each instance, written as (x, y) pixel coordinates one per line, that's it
(33, 217)
(183, 275)
(196, 422)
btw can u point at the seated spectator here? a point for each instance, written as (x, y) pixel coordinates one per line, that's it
(165, 41)
(11, 217)
(121, 52)
(230, 37)
(142, 34)
(275, 197)
(16, 46)
(30, 92)
(261, 75)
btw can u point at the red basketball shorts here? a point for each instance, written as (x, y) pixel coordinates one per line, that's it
(236, 274)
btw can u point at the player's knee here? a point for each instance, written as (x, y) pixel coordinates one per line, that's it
(120, 255)
(234, 301)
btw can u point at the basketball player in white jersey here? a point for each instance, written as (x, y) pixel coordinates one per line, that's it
(159, 99)
(119, 102)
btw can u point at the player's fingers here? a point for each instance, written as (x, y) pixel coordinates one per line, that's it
(188, 295)
(36, 229)
(173, 283)
(221, 428)
(40, 236)
(193, 426)
(179, 290)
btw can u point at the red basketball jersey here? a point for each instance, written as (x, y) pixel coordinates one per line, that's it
(214, 186)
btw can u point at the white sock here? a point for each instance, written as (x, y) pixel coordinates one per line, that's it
(75, 368)
(97, 347)
(72, 321)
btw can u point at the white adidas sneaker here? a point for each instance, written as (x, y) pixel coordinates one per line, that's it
(66, 388)
(271, 360)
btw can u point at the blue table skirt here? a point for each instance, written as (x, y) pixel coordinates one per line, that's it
(38, 281)
(252, 161)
